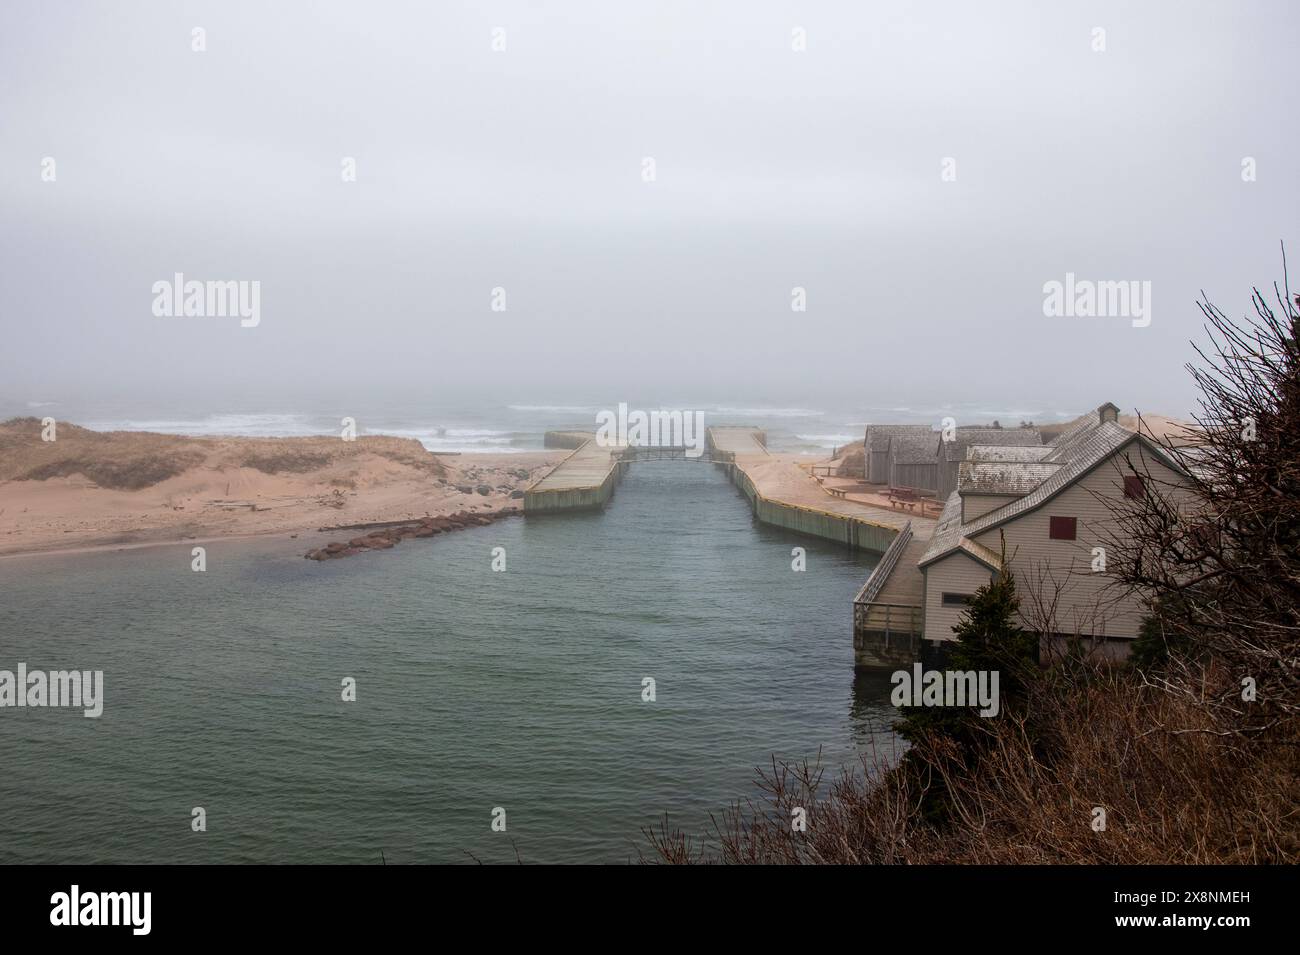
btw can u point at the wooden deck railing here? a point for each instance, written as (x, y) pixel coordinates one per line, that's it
(871, 589)
(893, 620)
(888, 618)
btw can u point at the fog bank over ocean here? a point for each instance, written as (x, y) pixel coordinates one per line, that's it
(521, 169)
(461, 426)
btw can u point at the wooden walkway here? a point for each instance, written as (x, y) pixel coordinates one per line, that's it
(584, 480)
(737, 441)
(889, 610)
(905, 586)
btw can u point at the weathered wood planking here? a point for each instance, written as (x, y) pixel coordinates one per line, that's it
(583, 480)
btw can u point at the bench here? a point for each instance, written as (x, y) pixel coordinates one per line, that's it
(836, 491)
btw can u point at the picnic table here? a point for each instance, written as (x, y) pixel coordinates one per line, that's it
(901, 497)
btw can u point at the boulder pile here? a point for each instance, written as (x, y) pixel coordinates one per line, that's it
(388, 537)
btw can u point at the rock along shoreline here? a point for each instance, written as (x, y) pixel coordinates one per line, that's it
(390, 536)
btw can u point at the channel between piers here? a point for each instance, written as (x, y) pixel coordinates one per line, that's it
(887, 613)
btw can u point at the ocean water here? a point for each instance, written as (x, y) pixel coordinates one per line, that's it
(475, 689)
(809, 428)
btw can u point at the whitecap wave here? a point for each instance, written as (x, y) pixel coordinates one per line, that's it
(829, 440)
(1018, 415)
(769, 412)
(238, 425)
(494, 446)
(563, 409)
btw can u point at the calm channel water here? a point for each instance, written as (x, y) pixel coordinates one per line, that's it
(475, 689)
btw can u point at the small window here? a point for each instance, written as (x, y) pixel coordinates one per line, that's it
(1063, 528)
(956, 600)
(1133, 486)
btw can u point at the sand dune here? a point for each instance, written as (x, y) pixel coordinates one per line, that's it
(1176, 430)
(91, 489)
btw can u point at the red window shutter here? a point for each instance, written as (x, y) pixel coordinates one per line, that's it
(1062, 528)
(1133, 486)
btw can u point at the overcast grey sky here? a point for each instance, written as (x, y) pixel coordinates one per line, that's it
(522, 169)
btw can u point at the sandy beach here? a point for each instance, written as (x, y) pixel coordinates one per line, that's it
(90, 490)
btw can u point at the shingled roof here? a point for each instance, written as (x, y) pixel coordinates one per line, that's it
(949, 530)
(913, 448)
(1003, 477)
(992, 452)
(878, 435)
(947, 533)
(955, 450)
(1074, 453)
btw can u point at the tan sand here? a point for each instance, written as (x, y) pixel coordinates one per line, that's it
(91, 490)
(1178, 431)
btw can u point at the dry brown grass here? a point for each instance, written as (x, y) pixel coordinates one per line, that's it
(852, 462)
(112, 460)
(293, 461)
(1177, 786)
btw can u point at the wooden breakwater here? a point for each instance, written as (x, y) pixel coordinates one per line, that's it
(783, 495)
(584, 480)
(852, 530)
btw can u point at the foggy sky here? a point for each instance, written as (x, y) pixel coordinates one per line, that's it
(522, 169)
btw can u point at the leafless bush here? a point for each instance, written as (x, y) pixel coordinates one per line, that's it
(1220, 554)
(1175, 783)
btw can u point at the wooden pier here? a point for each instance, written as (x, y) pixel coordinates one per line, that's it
(587, 477)
(785, 495)
(736, 441)
(582, 481)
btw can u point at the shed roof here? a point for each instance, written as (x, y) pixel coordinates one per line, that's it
(878, 436)
(1003, 477)
(994, 452)
(913, 449)
(955, 450)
